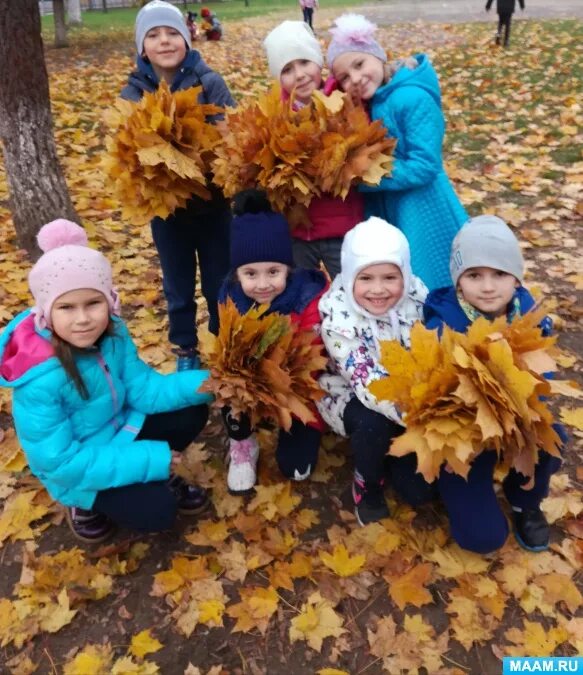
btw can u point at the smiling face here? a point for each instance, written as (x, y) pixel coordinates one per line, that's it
(487, 289)
(359, 74)
(80, 317)
(165, 48)
(378, 288)
(304, 75)
(263, 281)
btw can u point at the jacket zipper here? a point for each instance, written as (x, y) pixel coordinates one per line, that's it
(112, 390)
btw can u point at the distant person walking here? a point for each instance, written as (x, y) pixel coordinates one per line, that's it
(505, 9)
(308, 7)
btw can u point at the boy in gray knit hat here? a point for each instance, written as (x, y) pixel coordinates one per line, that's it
(487, 269)
(201, 230)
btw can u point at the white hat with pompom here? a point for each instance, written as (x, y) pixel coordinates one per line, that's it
(68, 264)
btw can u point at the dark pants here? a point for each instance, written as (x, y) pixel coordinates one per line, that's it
(152, 507)
(297, 449)
(308, 14)
(504, 21)
(370, 437)
(308, 254)
(197, 231)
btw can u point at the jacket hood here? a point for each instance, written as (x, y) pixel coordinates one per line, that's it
(424, 77)
(25, 352)
(374, 242)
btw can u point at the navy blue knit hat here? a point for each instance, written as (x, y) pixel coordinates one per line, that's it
(258, 234)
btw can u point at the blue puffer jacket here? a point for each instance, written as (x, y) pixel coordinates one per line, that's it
(417, 197)
(78, 447)
(442, 308)
(193, 72)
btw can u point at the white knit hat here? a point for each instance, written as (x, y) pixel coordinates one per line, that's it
(289, 41)
(486, 241)
(159, 13)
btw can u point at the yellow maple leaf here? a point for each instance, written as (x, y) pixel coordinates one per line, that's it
(257, 606)
(209, 533)
(341, 562)
(210, 612)
(127, 666)
(409, 588)
(317, 620)
(20, 511)
(144, 643)
(572, 417)
(454, 561)
(416, 625)
(535, 639)
(92, 660)
(560, 588)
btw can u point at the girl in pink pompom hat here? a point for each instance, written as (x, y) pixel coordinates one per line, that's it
(101, 430)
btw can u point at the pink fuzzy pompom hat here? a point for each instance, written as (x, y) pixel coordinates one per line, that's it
(353, 33)
(68, 264)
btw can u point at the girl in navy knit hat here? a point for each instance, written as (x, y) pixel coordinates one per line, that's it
(262, 272)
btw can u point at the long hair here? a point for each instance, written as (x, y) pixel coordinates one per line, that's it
(66, 352)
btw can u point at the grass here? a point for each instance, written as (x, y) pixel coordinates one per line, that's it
(229, 10)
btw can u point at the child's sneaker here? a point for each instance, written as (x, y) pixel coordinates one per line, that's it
(369, 501)
(89, 526)
(187, 359)
(242, 458)
(192, 499)
(531, 529)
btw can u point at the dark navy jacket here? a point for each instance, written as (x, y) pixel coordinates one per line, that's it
(192, 73)
(442, 307)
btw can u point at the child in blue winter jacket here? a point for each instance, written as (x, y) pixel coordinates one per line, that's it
(101, 430)
(417, 196)
(487, 268)
(202, 228)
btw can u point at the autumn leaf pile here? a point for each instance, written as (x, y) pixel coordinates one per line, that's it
(262, 366)
(472, 392)
(295, 156)
(159, 152)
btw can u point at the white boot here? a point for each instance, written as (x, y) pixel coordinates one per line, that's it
(242, 459)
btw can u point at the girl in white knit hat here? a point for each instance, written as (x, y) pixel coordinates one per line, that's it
(295, 61)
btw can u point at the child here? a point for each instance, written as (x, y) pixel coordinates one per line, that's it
(375, 297)
(417, 196)
(202, 228)
(100, 429)
(505, 9)
(262, 273)
(192, 25)
(211, 26)
(308, 7)
(487, 268)
(295, 61)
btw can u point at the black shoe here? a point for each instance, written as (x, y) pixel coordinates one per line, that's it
(89, 526)
(531, 529)
(369, 501)
(192, 499)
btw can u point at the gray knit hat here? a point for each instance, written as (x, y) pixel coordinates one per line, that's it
(159, 13)
(486, 241)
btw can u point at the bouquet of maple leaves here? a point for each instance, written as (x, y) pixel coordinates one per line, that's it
(160, 152)
(295, 155)
(262, 366)
(471, 392)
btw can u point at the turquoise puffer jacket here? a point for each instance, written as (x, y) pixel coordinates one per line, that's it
(78, 447)
(417, 197)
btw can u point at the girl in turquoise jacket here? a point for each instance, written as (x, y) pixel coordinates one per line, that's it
(417, 196)
(100, 429)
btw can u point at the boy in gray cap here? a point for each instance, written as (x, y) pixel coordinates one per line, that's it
(487, 269)
(202, 228)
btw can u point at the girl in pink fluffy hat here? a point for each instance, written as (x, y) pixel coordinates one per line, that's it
(101, 430)
(416, 196)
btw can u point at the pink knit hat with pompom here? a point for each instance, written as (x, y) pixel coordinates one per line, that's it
(68, 264)
(353, 33)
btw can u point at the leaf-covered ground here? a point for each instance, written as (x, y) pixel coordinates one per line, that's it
(285, 581)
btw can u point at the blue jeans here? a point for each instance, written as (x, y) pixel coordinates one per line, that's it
(200, 230)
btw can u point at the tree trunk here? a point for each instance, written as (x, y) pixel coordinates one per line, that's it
(104, 5)
(60, 25)
(74, 12)
(38, 192)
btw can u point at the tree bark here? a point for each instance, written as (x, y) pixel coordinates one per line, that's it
(60, 24)
(104, 5)
(74, 12)
(38, 192)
